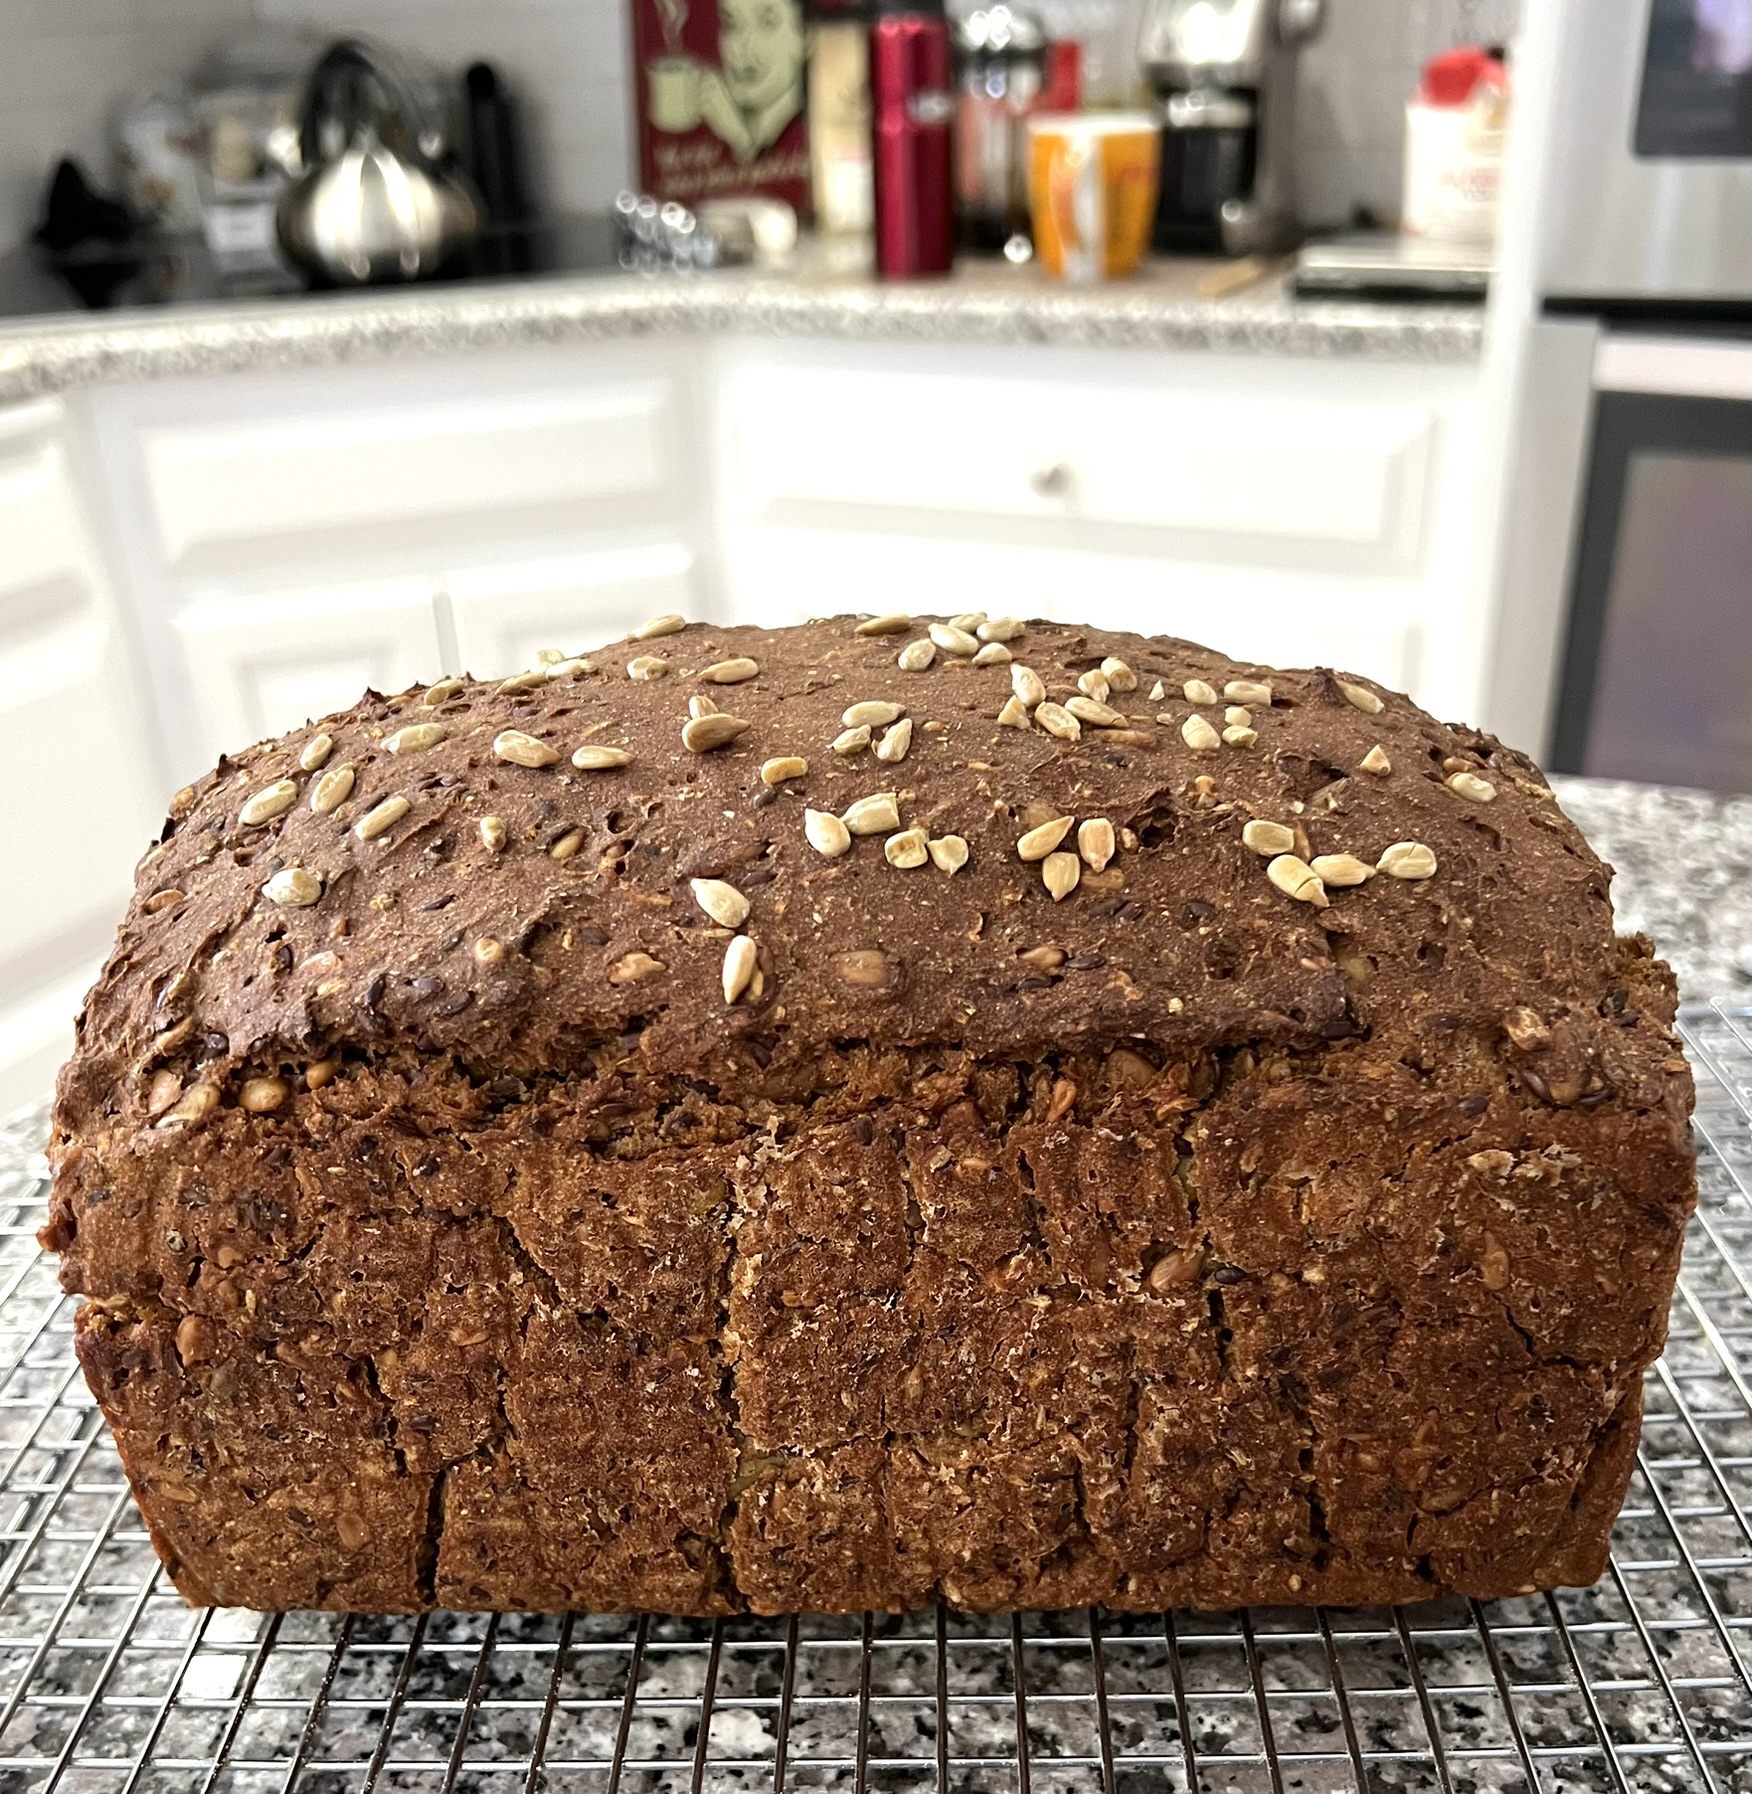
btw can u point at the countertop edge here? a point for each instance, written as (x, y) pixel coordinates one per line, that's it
(39, 358)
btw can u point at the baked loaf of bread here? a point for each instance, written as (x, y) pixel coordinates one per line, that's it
(836, 1117)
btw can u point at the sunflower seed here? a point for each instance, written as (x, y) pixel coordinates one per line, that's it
(1120, 677)
(591, 758)
(646, 667)
(916, 656)
(1200, 736)
(863, 966)
(1471, 787)
(1044, 959)
(739, 963)
(1039, 842)
(907, 849)
(1093, 684)
(783, 767)
(667, 624)
(436, 694)
(948, 853)
(567, 845)
(892, 748)
(1247, 691)
(1014, 714)
(890, 625)
(1055, 719)
(523, 750)
(969, 621)
(952, 640)
(1198, 692)
(1361, 698)
(703, 734)
(993, 654)
(1268, 838)
(1407, 859)
(1095, 843)
(262, 1096)
(492, 833)
(1240, 737)
(293, 888)
(826, 833)
(1027, 685)
(332, 790)
(1237, 716)
(878, 713)
(1060, 872)
(1296, 878)
(1341, 869)
(730, 672)
(271, 801)
(160, 901)
(416, 738)
(852, 741)
(316, 752)
(545, 658)
(198, 1102)
(569, 669)
(1158, 692)
(700, 705)
(520, 682)
(1095, 713)
(1000, 629)
(635, 968)
(1375, 761)
(488, 950)
(878, 814)
(382, 818)
(722, 902)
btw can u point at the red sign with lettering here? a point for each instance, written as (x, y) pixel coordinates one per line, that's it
(720, 98)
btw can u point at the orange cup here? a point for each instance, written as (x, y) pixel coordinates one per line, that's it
(1092, 190)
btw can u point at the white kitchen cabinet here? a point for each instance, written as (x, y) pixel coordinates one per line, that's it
(262, 664)
(504, 614)
(81, 796)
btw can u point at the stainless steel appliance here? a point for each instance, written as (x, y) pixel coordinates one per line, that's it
(376, 200)
(1625, 647)
(1224, 75)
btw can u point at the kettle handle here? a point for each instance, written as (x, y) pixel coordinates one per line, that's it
(350, 57)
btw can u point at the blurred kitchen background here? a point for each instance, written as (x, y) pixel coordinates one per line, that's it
(349, 342)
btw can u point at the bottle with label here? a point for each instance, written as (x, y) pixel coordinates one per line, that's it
(912, 105)
(839, 116)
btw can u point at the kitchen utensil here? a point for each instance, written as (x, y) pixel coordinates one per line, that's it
(911, 107)
(376, 201)
(1092, 188)
(1224, 74)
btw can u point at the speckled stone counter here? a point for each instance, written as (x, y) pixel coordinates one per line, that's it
(1164, 307)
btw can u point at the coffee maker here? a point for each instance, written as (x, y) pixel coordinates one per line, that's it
(1224, 76)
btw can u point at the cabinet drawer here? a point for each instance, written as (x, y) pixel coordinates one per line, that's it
(505, 615)
(263, 664)
(1307, 481)
(231, 495)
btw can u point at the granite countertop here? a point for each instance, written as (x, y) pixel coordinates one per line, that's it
(1168, 305)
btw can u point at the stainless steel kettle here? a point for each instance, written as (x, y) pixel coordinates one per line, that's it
(375, 202)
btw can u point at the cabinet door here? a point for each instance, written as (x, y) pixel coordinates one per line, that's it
(504, 615)
(262, 664)
(79, 801)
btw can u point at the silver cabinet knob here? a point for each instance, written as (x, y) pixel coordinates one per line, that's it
(1050, 480)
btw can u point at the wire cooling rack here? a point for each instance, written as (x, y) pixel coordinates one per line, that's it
(110, 1685)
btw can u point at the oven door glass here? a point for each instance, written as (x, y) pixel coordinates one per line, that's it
(1657, 678)
(1696, 97)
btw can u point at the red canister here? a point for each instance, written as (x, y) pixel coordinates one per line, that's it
(911, 105)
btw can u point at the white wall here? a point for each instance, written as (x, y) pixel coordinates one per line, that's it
(63, 63)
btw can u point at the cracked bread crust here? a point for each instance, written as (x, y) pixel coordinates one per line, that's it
(1174, 1243)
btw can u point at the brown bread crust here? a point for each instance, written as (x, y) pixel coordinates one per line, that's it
(450, 1239)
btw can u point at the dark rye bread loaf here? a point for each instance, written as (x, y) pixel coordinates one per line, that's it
(1136, 1217)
